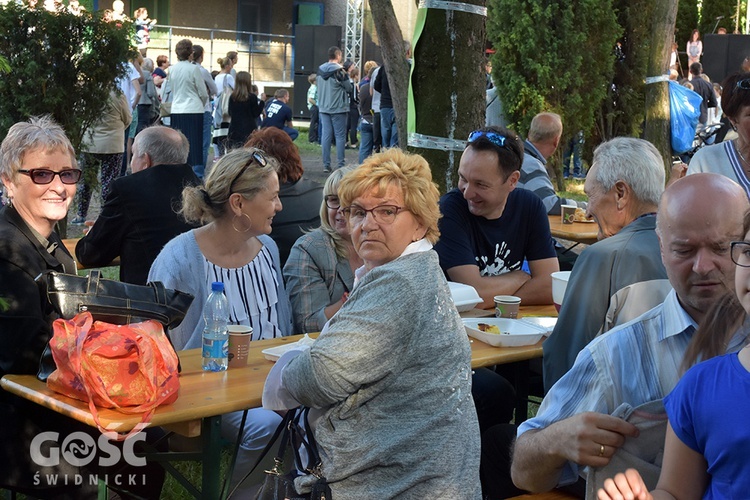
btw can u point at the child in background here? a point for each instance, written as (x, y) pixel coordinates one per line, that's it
(312, 105)
(143, 26)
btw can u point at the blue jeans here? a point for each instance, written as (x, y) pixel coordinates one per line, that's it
(333, 124)
(365, 140)
(292, 132)
(388, 130)
(573, 149)
(208, 121)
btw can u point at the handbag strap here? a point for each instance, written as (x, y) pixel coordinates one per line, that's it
(93, 281)
(283, 430)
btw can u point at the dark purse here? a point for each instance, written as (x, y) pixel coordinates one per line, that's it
(110, 301)
(278, 484)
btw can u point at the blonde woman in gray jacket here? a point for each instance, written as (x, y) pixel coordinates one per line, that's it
(390, 374)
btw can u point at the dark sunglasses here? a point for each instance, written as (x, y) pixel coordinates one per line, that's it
(256, 156)
(495, 138)
(45, 175)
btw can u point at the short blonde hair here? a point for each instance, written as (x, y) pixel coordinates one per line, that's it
(410, 173)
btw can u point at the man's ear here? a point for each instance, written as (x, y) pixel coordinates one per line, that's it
(513, 178)
(623, 194)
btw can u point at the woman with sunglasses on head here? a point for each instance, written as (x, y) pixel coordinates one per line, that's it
(39, 171)
(319, 273)
(237, 204)
(706, 452)
(390, 374)
(730, 158)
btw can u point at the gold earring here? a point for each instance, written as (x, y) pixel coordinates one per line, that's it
(249, 221)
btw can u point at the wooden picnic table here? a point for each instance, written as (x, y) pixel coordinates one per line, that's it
(70, 244)
(580, 232)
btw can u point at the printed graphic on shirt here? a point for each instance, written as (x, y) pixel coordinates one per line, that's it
(500, 263)
(273, 108)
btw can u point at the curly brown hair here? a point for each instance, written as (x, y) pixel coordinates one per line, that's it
(277, 143)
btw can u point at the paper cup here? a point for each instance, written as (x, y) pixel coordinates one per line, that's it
(568, 213)
(506, 306)
(239, 344)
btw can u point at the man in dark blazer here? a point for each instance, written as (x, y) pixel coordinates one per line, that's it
(140, 214)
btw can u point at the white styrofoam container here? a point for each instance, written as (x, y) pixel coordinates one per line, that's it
(465, 297)
(516, 333)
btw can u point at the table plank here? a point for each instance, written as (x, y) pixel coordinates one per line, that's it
(581, 232)
(70, 244)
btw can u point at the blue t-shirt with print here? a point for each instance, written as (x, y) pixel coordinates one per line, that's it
(497, 246)
(277, 114)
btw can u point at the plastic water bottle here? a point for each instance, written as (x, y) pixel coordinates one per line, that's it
(215, 334)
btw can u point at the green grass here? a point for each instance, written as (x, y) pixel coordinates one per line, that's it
(573, 190)
(304, 145)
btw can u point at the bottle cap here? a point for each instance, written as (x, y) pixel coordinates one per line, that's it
(217, 286)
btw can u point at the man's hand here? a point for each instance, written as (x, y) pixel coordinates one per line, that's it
(592, 438)
(540, 456)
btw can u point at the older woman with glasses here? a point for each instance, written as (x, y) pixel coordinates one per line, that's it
(237, 205)
(390, 374)
(38, 169)
(730, 158)
(320, 271)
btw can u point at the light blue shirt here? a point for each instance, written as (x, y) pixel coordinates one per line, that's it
(634, 363)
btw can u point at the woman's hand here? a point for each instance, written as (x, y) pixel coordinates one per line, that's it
(627, 486)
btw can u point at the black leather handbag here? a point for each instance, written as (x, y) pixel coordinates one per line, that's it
(110, 301)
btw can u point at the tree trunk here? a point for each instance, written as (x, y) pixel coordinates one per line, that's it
(448, 85)
(394, 58)
(657, 129)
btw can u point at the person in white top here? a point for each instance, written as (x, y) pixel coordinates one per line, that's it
(189, 98)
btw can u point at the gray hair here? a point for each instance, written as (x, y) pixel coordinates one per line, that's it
(164, 145)
(148, 65)
(40, 132)
(235, 172)
(634, 161)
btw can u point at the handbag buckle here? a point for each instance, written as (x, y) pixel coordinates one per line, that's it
(278, 467)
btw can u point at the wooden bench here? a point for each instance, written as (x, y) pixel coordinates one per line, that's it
(550, 495)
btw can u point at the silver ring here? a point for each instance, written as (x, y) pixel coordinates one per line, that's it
(601, 450)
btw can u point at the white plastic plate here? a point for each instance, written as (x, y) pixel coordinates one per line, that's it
(274, 353)
(547, 323)
(465, 297)
(515, 333)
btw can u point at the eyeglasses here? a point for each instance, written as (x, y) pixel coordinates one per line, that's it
(45, 175)
(741, 253)
(495, 138)
(256, 156)
(332, 201)
(383, 214)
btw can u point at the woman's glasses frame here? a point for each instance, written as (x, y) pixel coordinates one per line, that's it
(382, 214)
(332, 201)
(44, 176)
(740, 253)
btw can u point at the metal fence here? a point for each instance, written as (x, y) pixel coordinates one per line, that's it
(267, 56)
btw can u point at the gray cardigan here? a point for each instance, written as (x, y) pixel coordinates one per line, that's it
(180, 266)
(392, 373)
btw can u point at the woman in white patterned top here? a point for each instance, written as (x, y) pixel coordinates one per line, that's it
(236, 205)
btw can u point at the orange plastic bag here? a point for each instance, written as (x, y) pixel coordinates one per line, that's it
(132, 368)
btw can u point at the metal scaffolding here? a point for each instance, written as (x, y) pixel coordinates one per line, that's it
(355, 11)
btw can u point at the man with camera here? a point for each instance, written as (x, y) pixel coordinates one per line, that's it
(334, 87)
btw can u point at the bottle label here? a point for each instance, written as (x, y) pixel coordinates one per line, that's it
(215, 348)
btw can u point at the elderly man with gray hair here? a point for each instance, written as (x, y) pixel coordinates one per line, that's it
(140, 213)
(623, 185)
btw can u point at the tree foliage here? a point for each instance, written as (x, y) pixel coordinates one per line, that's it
(713, 9)
(552, 56)
(61, 64)
(621, 113)
(687, 21)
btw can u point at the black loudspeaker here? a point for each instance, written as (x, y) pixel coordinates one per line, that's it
(299, 102)
(723, 55)
(311, 44)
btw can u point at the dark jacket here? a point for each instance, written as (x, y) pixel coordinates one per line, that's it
(138, 218)
(301, 202)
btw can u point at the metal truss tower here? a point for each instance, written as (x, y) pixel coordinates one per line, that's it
(355, 11)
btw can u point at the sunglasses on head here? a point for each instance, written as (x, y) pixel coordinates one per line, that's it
(743, 84)
(45, 175)
(256, 156)
(495, 138)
